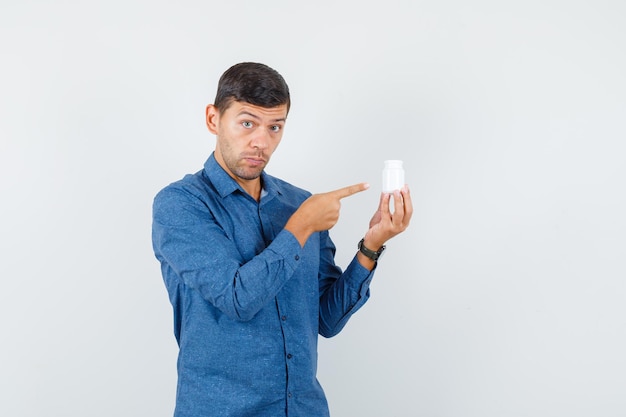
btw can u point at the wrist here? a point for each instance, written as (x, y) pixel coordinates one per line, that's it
(373, 244)
(371, 252)
(299, 229)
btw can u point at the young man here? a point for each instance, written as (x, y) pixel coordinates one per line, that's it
(249, 265)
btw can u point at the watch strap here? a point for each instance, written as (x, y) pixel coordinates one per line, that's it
(371, 254)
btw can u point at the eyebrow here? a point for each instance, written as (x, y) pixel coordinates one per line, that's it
(254, 116)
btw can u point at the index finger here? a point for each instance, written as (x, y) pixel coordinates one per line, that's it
(350, 190)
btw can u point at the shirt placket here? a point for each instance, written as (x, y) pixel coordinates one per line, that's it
(267, 229)
(289, 357)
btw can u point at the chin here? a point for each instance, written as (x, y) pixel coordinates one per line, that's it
(249, 175)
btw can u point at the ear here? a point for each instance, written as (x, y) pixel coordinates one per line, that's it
(212, 118)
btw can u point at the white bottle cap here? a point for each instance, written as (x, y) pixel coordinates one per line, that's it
(393, 163)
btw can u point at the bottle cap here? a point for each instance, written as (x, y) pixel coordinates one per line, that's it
(393, 163)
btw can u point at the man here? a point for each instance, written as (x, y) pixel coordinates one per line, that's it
(249, 265)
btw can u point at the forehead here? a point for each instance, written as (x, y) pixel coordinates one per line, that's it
(240, 109)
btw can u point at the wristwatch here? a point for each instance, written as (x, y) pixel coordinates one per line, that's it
(373, 255)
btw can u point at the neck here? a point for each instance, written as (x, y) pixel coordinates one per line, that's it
(252, 187)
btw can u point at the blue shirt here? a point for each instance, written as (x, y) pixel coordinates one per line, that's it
(248, 300)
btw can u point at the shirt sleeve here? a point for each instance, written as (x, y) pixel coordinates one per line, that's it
(194, 248)
(341, 294)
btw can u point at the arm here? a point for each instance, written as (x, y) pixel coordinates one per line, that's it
(343, 296)
(198, 250)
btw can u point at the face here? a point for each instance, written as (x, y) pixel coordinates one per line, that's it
(247, 136)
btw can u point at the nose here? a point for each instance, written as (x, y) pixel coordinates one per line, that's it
(260, 139)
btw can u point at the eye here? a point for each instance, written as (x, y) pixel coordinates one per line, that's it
(275, 128)
(247, 125)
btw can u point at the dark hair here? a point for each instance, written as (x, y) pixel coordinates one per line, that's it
(252, 83)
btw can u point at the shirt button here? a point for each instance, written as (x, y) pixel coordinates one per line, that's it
(297, 257)
(289, 394)
(289, 356)
(284, 318)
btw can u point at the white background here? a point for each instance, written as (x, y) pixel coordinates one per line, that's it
(506, 297)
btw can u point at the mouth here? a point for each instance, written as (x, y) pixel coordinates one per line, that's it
(254, 160)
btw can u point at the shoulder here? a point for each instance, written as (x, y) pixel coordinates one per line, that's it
(190, 185)
(183, 198)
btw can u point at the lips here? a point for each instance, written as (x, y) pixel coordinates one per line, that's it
(254, 159)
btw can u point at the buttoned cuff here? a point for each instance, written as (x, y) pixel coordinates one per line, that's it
(360, 277)
(288, 248)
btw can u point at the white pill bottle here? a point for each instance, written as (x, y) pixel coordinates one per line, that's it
(393, 176)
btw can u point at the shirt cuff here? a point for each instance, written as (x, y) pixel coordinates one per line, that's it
(286, 246)
(360, 277)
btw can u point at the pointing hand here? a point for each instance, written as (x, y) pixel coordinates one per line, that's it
(320, 212)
